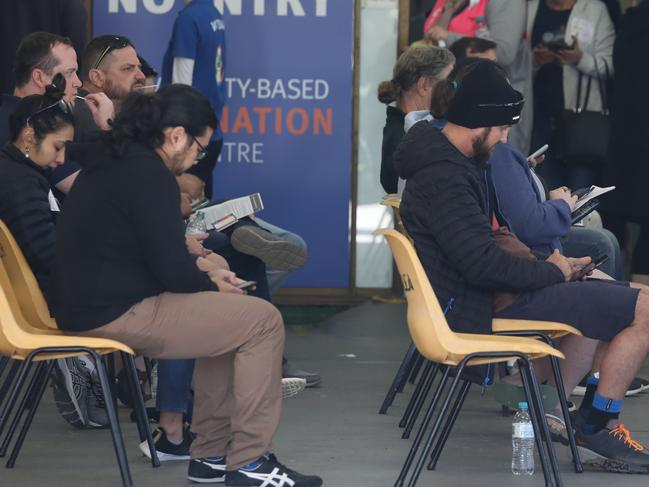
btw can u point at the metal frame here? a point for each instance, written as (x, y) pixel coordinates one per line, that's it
(34, 394)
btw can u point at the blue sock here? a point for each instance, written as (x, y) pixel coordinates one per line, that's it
(591, 388)
(602, 411)
(253, 465)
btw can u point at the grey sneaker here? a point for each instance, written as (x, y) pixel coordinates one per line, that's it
(290, 370)
(95, 404)
(613, 450)
(277, 253)
(70, 382)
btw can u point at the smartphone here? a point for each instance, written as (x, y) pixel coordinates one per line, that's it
(556, 46)
(594, 264)
(539, 152)
(247, 284)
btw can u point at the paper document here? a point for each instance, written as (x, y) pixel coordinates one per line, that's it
(587, 194)
(225, 214)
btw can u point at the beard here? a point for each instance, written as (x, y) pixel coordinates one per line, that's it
(482, 152)
(115, 92)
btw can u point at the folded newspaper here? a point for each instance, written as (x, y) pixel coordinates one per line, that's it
(587, 194)
(221, 216)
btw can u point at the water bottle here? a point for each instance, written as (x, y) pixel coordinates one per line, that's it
(197, 224)
(522, 442)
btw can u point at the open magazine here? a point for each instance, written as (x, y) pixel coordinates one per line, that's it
(587, 201)
(221, 216)
(584, 195)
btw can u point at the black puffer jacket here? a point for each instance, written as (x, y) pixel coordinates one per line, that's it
(444, 208)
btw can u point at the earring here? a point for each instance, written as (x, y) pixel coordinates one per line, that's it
(27, 152)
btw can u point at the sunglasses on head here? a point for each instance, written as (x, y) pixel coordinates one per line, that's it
(115, 42)
(62, 105)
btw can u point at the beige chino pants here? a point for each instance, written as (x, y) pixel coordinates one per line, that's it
(237, 342)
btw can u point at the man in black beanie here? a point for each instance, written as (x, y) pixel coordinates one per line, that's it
(479, 270)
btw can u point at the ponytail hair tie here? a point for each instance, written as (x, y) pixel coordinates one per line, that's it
(455, 85)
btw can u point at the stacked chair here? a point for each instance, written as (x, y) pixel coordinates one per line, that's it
(29, 336)
(439, 350)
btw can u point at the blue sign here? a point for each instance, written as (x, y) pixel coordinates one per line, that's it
(288, 121)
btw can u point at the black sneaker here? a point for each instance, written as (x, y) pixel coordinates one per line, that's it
(613, 450)
(168, 451)
(207, 470)
(634, 388)
(70, 384)
(267, 471)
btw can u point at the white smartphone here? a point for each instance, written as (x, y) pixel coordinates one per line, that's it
(539, 152)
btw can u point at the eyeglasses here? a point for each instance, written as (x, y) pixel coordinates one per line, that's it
(116, 42)
(62, 105)
(202, 152)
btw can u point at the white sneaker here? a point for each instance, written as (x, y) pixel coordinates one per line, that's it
(292, 386)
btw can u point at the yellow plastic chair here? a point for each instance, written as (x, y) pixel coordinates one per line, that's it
(454, 351)
(20, 340)
(26, 288)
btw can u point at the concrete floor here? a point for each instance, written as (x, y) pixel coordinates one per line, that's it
(333, 431)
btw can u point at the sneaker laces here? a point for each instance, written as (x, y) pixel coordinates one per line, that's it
(621, 433)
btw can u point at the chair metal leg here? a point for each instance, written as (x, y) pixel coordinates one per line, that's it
(143, 425)
(399, 378)
(422, 429)
(22, 406)
(554, 463)
(529, 393)
(415, 394)
(455, 412)
(40, 387)
(19, 381)
(116, 432)
(427, 378)
(558, 380)
(419, 362)
(436, 426)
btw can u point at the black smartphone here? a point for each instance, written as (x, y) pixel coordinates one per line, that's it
(556, 46)
(587, 269)
(246, 284)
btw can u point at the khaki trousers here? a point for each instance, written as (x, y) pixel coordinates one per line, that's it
(237, 342)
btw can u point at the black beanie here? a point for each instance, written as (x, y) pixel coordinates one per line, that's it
(485, 98)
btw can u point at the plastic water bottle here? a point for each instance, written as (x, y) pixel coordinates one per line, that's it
(522, 442)
(197, 224)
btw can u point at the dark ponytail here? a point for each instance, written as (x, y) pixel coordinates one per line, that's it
(45, 114)
(143, 118)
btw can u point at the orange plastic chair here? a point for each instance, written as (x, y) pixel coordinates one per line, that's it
(438, 343)
(21, 340)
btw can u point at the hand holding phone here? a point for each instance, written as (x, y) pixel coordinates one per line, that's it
(246, 284)
(539, 152)
(587, 269)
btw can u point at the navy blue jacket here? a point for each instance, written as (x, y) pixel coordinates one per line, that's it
(537, 222)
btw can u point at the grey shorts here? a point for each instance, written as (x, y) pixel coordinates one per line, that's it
(600, 309)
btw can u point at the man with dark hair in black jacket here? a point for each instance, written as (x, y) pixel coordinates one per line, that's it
(450, 210)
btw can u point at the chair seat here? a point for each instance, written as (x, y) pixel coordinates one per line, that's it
(551, 328)
(469, 343)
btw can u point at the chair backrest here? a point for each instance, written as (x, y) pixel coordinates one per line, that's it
(11, 332)
(394, 202)
(426, 321)
(26, 288)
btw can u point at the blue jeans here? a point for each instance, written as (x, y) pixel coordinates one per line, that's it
(582, 241)
(174, 386)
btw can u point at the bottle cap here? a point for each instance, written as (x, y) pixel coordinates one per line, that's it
(522, 405)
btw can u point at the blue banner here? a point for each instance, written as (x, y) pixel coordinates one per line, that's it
(288, 120)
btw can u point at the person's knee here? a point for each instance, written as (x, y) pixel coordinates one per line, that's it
(271, 318)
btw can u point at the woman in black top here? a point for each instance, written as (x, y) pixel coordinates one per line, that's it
(39, 126)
